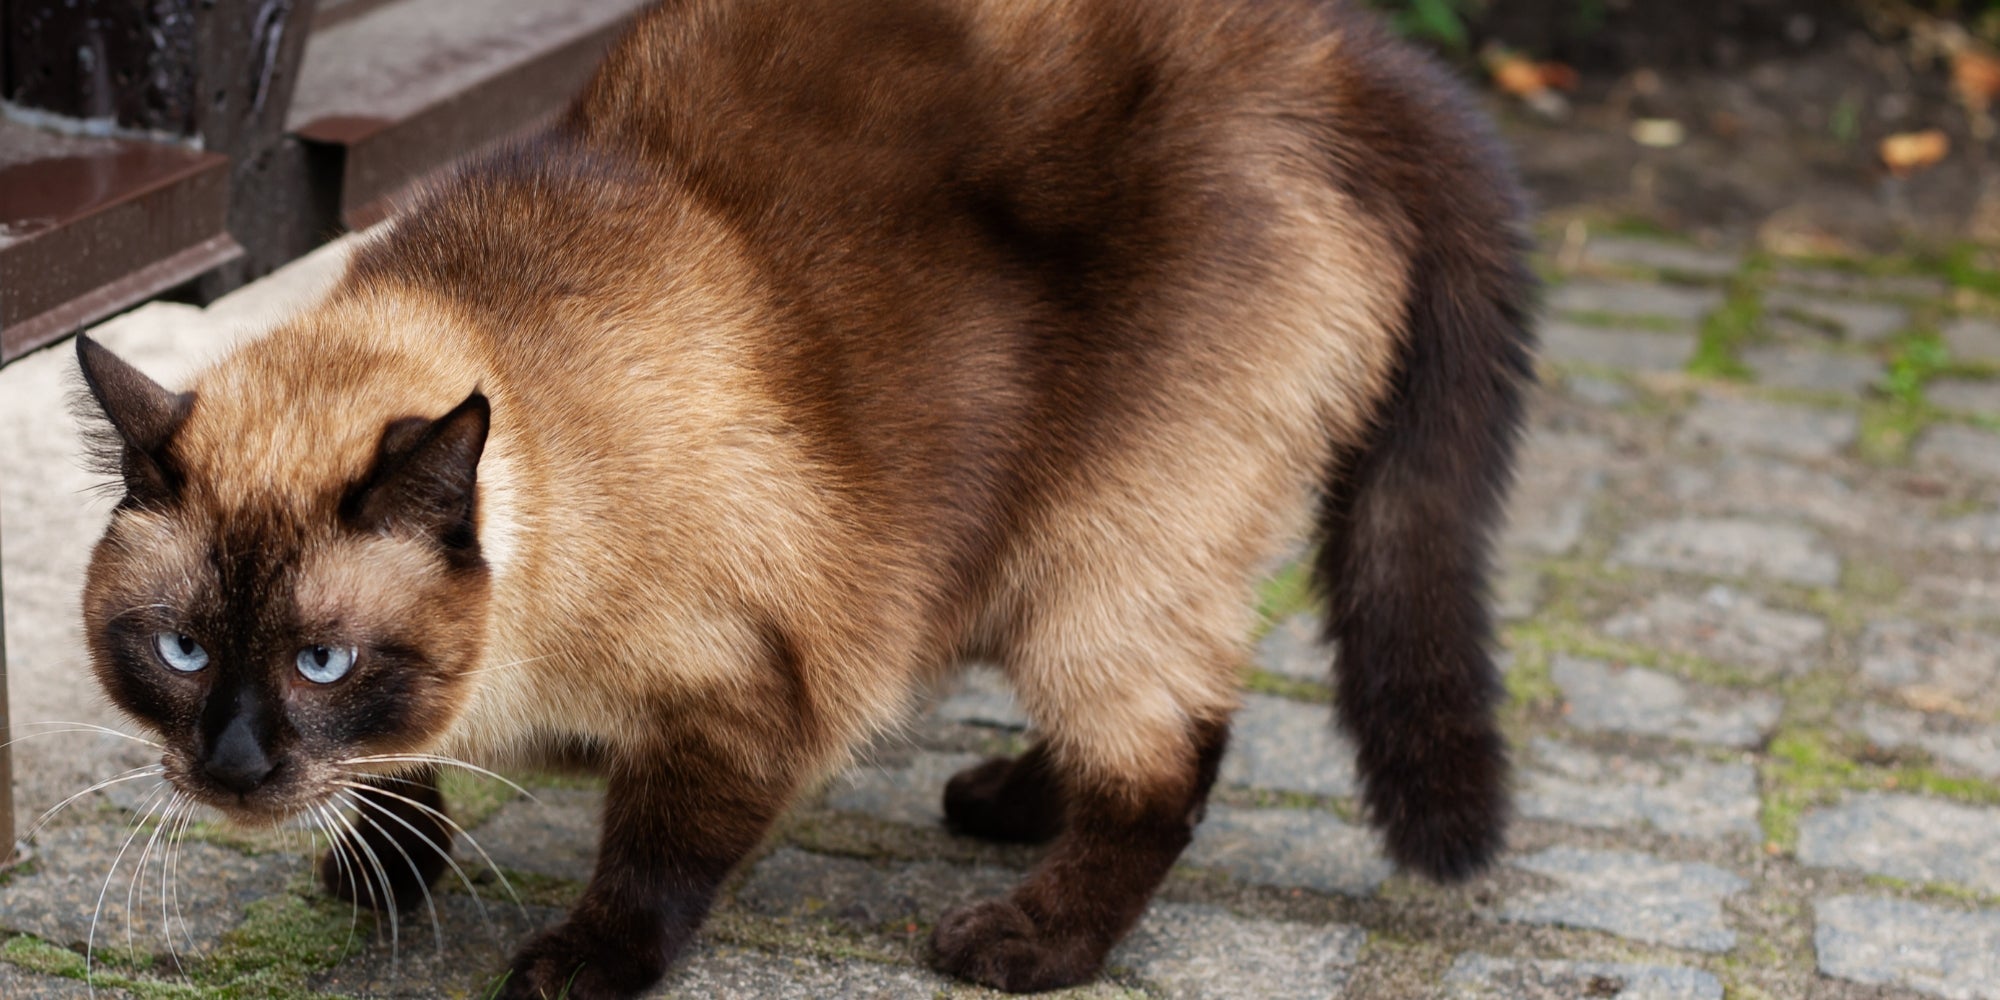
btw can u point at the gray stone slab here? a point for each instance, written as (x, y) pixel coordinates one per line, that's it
(1289, 848)
(1598, 391)
(1794, 366)
(1966, 449)
(1725, 625)
(1636, 700)
(1964, 597)
(553, 834)
(1962, 742)
(464, 956)
(1186, 952)
(1636, 299)
(912, 793)
(1971, 533)
(1971, 338)
(1517, 593)
(723, 972)
(1898, 942)
(1566, 342)
(1483, 977)
(1851, 283)
(1779, 428)
(1933, 667)
(1731, 547)
(1859, 321)
(1906, 837)
(1658, 255)
(864, 897)
(1635, 896)
(1966, 395)
(1759, 485)
(1292, 649)
(1681, 795)
(1288, 746)
(983, 698)
(1559, 475)
(56, 900)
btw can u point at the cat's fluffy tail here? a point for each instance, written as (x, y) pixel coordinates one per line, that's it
(1406, 530)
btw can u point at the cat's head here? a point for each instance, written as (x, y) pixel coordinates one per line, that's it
(292, 581)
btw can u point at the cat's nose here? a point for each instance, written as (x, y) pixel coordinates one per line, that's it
(237, 762)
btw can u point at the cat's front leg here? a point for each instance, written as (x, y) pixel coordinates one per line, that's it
(675, 823)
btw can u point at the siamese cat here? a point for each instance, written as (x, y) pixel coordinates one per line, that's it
(820, 346)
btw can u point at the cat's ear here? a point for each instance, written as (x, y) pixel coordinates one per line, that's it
(424, 475)
(143, 416)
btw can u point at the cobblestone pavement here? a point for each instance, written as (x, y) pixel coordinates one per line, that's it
(1751, 609)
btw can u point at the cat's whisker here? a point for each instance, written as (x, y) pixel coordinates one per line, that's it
(431, 758)
(143, 771)
(437, 929)
(380, 892)
(508, 665)
(138, 879)
(470, 840)
(72, 727)
(90, 940)
(443, 852)
(174, 882)
(341, 869)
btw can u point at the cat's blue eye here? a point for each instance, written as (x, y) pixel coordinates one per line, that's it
(325, 664)
(179, 652)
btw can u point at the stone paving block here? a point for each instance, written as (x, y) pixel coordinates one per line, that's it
(1517, 592)
(1681, 795)
(1933, 667)
(1974, 746)
(1973, 339)
(1906, 837)
(723, 972)
(1634, 350)
(863, 896)
(20, 984)
(1635, 299)
(1303, 848)
(1968, 395)
(1292, 649)
(983, 698)
(1971, 533)
(1560, 473)
(1859, 321)
(1288, 746)
(1757, 425)
(57, 898)
(1636, 700)
(1727, 626)
(1851, 283)
(1635, 896)
(1194, 951)
(1483, 977)
(1794, 366)
(1598, 391)
(1658, 255)
(1960, 596)
(911, 793)
(556, 835)
(1897, 942)
(465, 955)
(1963, 448)
(1731, 547)
(1759, 485)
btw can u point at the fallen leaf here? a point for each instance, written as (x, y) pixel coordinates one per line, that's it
(1659, 133)
(1975, 75)
(1907, 153)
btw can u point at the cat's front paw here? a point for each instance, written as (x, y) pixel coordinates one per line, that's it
(573, 963)
(997, 944)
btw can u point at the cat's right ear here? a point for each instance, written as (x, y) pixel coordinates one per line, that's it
(143, 416)
(424, 477)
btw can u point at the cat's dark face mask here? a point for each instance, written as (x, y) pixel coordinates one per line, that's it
(283, 647)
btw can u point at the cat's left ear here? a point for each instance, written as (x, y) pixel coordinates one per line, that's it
(424, 475)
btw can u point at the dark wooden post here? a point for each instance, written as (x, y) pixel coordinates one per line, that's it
(216, 73)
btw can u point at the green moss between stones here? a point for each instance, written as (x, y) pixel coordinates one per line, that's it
(1725, 333)
(1806, 767)
(1888, 429)
(1285, 593)
(1264, 682)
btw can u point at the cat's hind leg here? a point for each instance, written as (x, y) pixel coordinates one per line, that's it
(1013, 800)
(396, 844)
